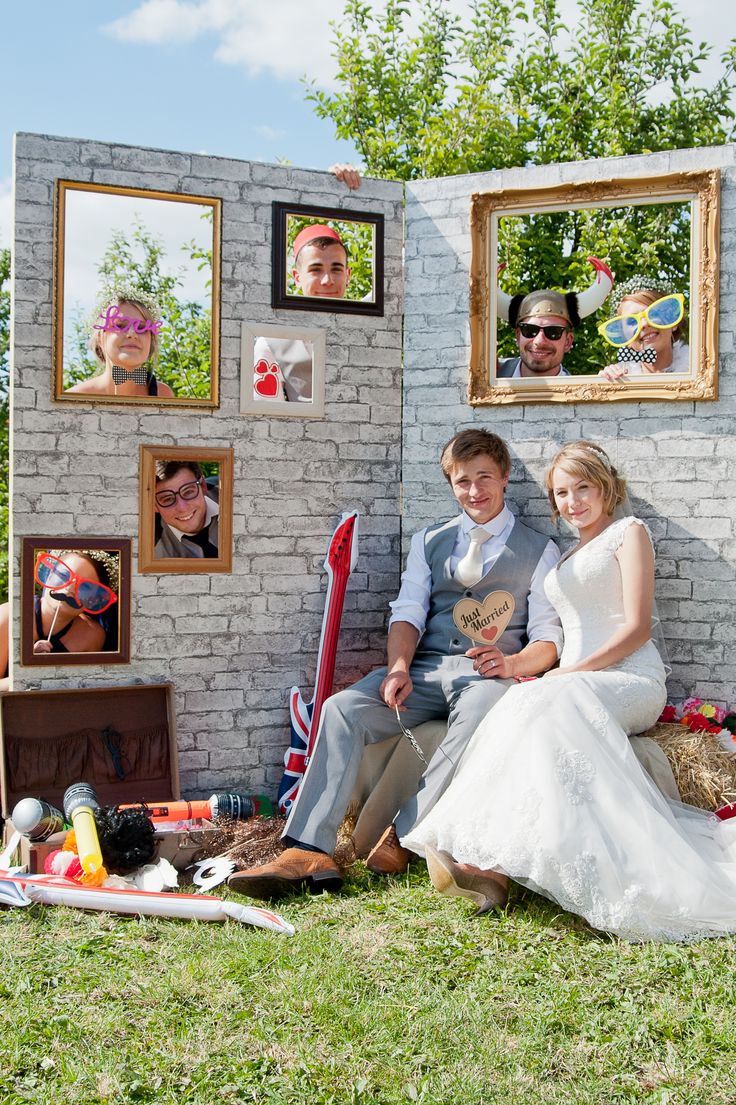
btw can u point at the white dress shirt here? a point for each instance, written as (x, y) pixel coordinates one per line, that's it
(412, 604)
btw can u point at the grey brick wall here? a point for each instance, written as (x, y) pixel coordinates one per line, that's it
(678, 456)
(232, 645)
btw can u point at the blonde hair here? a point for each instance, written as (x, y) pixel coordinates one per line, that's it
(587, 461)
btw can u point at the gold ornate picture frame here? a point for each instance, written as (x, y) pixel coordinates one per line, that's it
(698, 194)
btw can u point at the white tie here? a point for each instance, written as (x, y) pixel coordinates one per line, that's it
(470, 569)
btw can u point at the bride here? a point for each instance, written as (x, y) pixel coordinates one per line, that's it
(549, 792)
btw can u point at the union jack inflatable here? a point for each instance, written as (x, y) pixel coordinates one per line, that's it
(342, 555)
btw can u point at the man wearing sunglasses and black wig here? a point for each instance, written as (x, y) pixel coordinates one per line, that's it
(544, 322)
(187, 509)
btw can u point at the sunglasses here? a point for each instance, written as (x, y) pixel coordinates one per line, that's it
(186, 492)
(530, 330)
(91, 596)
(662, 314)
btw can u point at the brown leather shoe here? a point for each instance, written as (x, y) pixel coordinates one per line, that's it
(294, 869)
(388, 857)
(488, 889)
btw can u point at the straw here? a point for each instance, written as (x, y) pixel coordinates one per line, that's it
(705, 773)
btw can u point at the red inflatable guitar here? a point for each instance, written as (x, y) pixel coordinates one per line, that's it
(340, 561)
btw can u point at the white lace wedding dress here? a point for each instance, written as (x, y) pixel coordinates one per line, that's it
(550, 792)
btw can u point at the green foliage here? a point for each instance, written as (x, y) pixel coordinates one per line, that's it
(358, 240)
(136, 259)
(512, 85)
(4, 414)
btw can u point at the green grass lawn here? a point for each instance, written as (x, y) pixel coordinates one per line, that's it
(387, 994)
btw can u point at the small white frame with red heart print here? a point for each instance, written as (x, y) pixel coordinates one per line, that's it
(282, 370)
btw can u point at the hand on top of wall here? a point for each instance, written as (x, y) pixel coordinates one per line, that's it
(348, 174)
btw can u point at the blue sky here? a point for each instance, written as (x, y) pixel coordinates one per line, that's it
(220, 76)
(63, 74)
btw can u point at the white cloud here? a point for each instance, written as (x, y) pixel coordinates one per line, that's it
(287, 37)
(290, 38)
(157, 21)
(6, 212)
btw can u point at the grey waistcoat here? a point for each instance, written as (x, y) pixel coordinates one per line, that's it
(512, 571)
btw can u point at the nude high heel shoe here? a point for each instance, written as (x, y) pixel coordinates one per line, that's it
(487, 889)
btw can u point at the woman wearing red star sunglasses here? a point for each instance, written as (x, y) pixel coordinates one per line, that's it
(74, 594)
(648, 329)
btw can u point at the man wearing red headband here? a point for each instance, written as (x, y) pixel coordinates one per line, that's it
(320, 262)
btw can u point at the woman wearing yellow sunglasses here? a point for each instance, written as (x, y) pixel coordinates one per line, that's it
(654, 346)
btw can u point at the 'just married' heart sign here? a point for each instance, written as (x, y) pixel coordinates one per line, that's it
(484, 622)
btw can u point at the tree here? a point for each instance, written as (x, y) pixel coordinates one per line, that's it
(500, 90)
(4, 429)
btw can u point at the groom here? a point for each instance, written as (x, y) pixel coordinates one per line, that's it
(431, 671)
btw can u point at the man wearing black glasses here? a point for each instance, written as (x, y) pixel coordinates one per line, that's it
(544, 334)
(187, 509)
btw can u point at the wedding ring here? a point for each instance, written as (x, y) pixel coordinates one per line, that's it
(493, 663)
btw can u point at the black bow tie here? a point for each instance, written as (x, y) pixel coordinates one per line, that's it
(647, 356)
(137, 375)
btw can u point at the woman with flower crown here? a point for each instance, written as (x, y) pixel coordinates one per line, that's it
(549, 792)
(125, 340)
(648, 328)
(69, 577)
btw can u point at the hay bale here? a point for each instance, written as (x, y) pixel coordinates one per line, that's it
(248, 843)
(258, 840)
(704, 771)
(705, 774)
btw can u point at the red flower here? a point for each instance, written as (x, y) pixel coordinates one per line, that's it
(669, 713)
(696, 723)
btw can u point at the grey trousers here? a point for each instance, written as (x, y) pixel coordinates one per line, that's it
(444, 687)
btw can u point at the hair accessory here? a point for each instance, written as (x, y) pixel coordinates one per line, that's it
(122, 376)
(640, 283)
(121, 291)
(599, 453)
